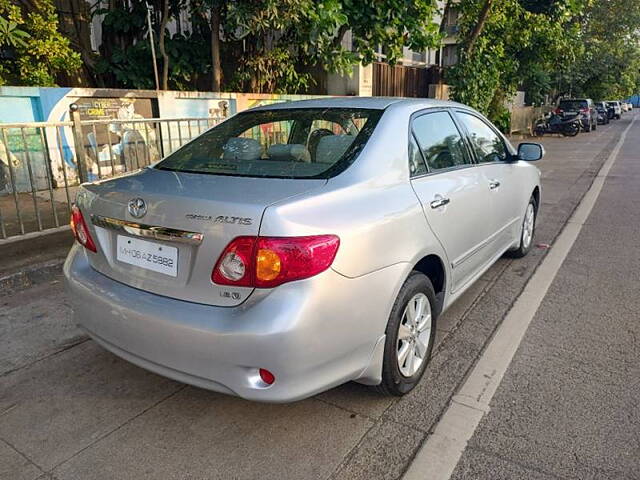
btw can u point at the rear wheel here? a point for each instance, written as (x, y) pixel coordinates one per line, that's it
(409, 336)
(571, 130)
(527, 232)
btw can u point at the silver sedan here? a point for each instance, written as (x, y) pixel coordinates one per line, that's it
(298, 246)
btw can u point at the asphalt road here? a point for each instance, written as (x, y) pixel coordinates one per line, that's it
(569, 405)
(69, 410)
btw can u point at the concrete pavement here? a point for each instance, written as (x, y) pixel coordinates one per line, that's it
(70, 410)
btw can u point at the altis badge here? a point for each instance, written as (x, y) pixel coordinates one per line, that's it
(220, 219)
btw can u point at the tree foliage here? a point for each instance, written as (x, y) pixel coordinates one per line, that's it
(609, 64)
(34, 51)
(265, 45)
(547, 48)
(519, 46)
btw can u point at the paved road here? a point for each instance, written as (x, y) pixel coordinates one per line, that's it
(569, 405)
(69, 410)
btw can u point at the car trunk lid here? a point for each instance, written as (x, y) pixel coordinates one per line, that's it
(171, 248)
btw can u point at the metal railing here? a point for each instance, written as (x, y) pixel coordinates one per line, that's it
(42, 163)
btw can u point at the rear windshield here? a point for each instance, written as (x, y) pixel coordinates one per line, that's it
(279, 143)
(572, 105)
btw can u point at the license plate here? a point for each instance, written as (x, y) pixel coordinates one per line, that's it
(148, 255)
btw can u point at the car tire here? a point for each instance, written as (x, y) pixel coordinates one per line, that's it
(399, 376)
(594, 126)
(527, 232)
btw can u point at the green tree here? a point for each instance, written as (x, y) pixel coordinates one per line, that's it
(260, 46)
(609, 65)
(285, 40)
(512, 44)
(36, 51)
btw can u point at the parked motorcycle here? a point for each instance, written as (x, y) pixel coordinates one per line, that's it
(568, 126)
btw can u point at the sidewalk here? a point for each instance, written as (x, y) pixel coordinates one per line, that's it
(568, 406)
(30, 261)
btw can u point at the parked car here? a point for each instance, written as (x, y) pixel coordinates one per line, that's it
(625, 106)
(584, 108)
(617, 108)
(298, 246)
(629, 106)
(603, 113)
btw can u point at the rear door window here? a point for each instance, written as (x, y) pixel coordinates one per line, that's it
(280, 143)
(573, 105)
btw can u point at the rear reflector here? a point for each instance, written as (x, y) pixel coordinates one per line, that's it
(266, 262)
(80, 230)
(267, 377)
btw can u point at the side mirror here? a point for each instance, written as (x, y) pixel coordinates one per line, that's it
(530, 152)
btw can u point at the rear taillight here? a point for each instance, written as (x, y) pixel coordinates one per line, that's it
(559, 111)
(80, 230)
(266, 262)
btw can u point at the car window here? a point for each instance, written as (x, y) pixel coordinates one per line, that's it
(572, 105)
(487, 144)
(440, 141)
(416, 161)
(280, 143)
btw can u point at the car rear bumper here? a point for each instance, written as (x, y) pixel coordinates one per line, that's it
(312, 334)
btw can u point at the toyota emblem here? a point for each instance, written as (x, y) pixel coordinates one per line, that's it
(137, 207)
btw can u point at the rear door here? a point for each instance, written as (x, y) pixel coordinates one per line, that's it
(453, 194)
(500, 178)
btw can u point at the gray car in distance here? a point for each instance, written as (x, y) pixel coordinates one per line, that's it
(298, 246)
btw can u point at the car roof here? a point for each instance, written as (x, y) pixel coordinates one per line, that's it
(374, 103)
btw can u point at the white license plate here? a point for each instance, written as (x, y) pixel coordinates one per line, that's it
(148, 255)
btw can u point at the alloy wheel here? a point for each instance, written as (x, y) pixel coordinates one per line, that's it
(527, 226)
(414, 335)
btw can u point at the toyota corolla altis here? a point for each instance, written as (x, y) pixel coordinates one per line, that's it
(298, 246)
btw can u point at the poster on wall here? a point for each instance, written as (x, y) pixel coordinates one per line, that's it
(115, 137)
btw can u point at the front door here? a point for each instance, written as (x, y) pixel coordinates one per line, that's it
(500, 177)
(453, 194)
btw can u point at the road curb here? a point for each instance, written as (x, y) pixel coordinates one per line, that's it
(30, 276)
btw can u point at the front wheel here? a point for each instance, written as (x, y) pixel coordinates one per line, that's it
(409, 336)
(527, 232)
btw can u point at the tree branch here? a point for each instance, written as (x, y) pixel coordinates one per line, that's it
(477, 30)
(163, 51)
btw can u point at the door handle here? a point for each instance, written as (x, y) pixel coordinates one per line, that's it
(493, 184)
(440, 202)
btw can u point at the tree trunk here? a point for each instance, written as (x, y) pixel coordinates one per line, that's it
(477, 30)
(337, 41)
(163, 51)
(216, 69)
(75, 24)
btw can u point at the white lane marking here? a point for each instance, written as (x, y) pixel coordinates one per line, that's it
(438, 457)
